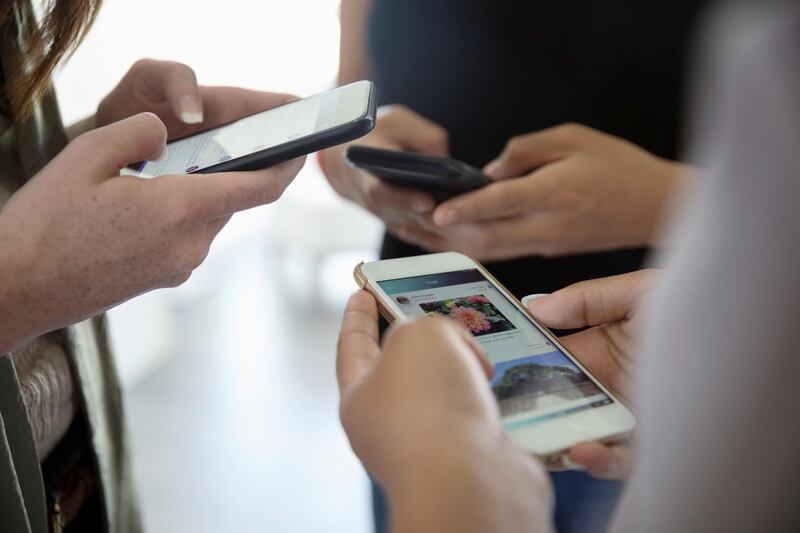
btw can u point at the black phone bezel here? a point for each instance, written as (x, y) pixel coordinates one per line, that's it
(309, 144)
(442, 177)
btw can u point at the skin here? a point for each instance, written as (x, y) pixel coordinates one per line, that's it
(564, 190)
(464, 475)
(397, 128)
(610, 310)
(79, 238)
(579, 190)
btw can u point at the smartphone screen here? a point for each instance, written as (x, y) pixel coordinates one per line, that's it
(534, 380)
(261, 131)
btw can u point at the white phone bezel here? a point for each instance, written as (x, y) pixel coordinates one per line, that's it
(547, 439)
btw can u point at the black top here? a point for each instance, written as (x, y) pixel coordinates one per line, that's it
(487, 70)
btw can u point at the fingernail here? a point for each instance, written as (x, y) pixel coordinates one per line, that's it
(492, 168)
(529, 298)
(421, 205)
(446, 217)
(570, 464)
(191, 109)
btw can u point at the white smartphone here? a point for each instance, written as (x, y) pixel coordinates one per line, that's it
(548, 401)
(271, 137)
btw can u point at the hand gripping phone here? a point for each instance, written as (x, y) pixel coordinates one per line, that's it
(442, 177)
(270, 137)
(548, 401)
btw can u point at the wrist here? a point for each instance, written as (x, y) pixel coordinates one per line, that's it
(475, 484)
(675, 177)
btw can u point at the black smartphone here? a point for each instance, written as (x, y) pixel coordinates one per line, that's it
(442, 177)
(273, 136)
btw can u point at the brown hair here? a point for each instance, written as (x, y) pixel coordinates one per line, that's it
(51, 39)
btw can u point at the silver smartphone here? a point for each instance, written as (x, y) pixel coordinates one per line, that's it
(548, 401)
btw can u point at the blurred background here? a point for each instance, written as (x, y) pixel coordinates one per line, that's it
(230, 383)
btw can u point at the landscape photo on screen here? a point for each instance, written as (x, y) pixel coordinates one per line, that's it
(476, 313)
(540, 382)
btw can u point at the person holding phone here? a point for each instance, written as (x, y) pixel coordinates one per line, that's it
(77, 238)
(705, 349)
(467, 475)
(578, 105)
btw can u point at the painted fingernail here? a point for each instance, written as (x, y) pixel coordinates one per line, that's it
(529, 298)
(191, 109)
(570, 464)
(421, 205)
(446, 217)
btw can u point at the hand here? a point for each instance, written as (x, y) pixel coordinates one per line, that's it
(397, 128)
(420, 415)
(577, 190)
(78, 238)
(610, 308)
(170, 91)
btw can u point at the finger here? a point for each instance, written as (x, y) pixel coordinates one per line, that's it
(414, 132)
(593, 302)
(359, 341)
(602, 461)
(480, 354)
(176, 83)
(596, 349)
(501, 200)
(224, 104)
(418, 236)
(216, 195)
(380, 196)
(525, 153)
(495, 239)
(447, 338)
(111, 148)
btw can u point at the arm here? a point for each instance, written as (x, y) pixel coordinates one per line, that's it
(433, 438)
(398, 128)
(353, 60)
(180, 215)
(61, 265)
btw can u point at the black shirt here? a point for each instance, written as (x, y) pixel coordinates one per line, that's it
(487, 70)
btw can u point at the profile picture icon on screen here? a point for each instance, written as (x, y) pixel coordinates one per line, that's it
(191, 169)
(403, 300)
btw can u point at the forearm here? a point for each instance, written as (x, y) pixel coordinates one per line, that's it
(677, 178)
(495, 490)
(353, 62)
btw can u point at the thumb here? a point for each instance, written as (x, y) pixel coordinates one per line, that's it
(111, 148)
(601, 461)
(591, 303)
(176, 83)
(528, 152)
(358, 348)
